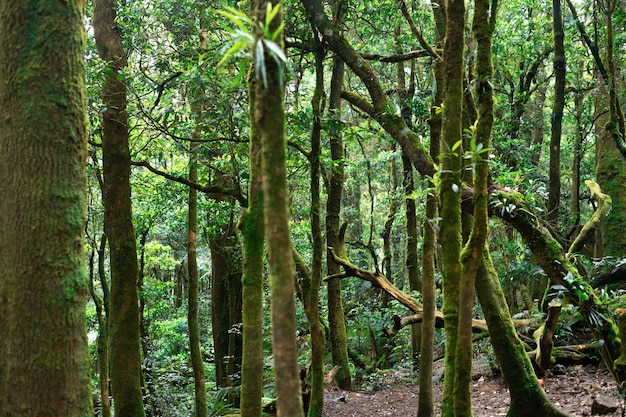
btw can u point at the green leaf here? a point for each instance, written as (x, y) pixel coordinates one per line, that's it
(259, 53)
(276, 49)
(240, 19)
(235, 47)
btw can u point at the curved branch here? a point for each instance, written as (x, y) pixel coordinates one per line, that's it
(416, 32)
(407, 56)
(604, 207)
(207, 189)
(380, 281)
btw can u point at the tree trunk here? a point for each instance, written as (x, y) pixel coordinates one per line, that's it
(124, 321)
(102, 312)
(270, 118)
(558, 267)
(387, 227)
(336, 322)
(450, 191)
(611, 175)
(318, 342)
(483, 26)
(201, 409)
(44, 365)
(220, 302)
(252, 227)
(527, 397)
(554, 187)
(426, 400)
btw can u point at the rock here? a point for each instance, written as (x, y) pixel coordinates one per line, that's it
(602, 406)
(559, 369)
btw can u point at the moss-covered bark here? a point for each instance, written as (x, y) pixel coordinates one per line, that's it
(318, 342)
(336, 322)
(270, 119)
(450, 191)
(426, 401)
(483, 28)
(44, 365)
(611, 175)
(102, 312)
(124, 321)
(554, 186)
(252, 226)
(551, 257)
(197, 365)
(527, 397)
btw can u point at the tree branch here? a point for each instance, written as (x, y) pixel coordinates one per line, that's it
(207, 189)
(604, 207)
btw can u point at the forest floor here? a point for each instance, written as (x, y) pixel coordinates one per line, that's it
(572, 389)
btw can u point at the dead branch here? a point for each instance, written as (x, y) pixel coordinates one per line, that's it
(378, 280)
(543, 338)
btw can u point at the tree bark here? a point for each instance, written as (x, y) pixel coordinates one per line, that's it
(318, 342)
(252, 227)
(201, 409)
(270, 119)
(336, 322)
(527, 397)
(102, 312)
(44, 365)
(221, 271)
(554, 188)
(551, 257)
(124, 321)
(450, 192)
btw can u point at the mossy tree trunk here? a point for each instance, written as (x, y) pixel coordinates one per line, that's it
(336, 321)
(102, 312)
(124, 321)
(221, 270)
(197, 364)
(426, 401)
(554, 187)
(192, 306)
(611, 175)
(270, 119)
(527, 397)
(558, 267)
(318, 341)
(483, 27)
(252, 227)
(450, 191)
(44, 365)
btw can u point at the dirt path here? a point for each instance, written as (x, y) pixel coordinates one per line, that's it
(572, 389)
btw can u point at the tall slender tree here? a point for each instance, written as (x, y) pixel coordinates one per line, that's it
(270, 119)
(450, 191)
(554, 189)
(124, 331)
(336, 321)
(252, 226)
(201, 408)
(44, 364)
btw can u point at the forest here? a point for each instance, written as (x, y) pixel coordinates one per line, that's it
(239, 208)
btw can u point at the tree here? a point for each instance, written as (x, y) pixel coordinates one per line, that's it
(337, 326)
(192, 313)
(252, 226)
(554, 196)
(270, 118)
(124, 323)
(44, 366)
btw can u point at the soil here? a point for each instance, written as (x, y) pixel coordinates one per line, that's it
(572, 389)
